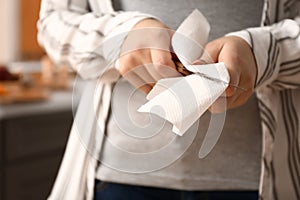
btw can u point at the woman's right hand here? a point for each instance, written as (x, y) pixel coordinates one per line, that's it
(146, 56)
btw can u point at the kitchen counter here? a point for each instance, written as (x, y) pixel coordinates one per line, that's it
(32, 141)
(58, 101)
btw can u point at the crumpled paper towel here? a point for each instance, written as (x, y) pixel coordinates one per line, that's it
(182, 100)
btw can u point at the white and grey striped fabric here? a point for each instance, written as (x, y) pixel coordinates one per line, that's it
(277, 51)
(71, 31)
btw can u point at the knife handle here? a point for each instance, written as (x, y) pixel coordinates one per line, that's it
(181, 69)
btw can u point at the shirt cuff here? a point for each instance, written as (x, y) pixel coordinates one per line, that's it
(264, 48)
(116, 32)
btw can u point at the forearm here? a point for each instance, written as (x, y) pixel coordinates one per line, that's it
(75, 36)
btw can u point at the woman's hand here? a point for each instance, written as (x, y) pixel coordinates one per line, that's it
(145, 55)
(241, 64)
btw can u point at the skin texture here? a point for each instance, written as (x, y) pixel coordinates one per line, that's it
(145, 55)
(241, 64)
(146, 58)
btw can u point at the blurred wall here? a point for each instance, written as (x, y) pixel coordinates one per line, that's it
(9, 30)
(29, 14)
(18, 40)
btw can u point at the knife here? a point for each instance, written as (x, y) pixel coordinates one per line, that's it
(182, 70)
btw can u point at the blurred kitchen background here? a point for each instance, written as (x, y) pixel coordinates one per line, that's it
(35, 106)
(18, 30)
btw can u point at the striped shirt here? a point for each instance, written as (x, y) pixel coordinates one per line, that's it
(71, 31)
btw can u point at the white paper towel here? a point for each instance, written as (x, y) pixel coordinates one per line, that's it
(182, 100)
(190, 38)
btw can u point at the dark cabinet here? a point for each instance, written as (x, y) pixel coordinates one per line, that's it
(31, 149)
(32, 179)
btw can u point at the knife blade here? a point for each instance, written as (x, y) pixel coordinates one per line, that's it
(181, 69)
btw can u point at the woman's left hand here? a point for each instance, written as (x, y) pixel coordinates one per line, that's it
(241, 64)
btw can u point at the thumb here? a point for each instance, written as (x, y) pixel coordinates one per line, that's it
(211, 52)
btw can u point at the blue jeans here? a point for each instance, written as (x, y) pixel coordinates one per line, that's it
(115, 191)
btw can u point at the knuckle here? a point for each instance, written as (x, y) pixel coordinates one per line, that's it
(211, 44)
(161, 62)
(161, 34)
(141, 50)
(123, 69)
(126, 63)
(158, 67)
(127, 59)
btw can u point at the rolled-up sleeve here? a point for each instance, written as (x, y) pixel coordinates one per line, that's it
(277, 52)
(86, 40)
